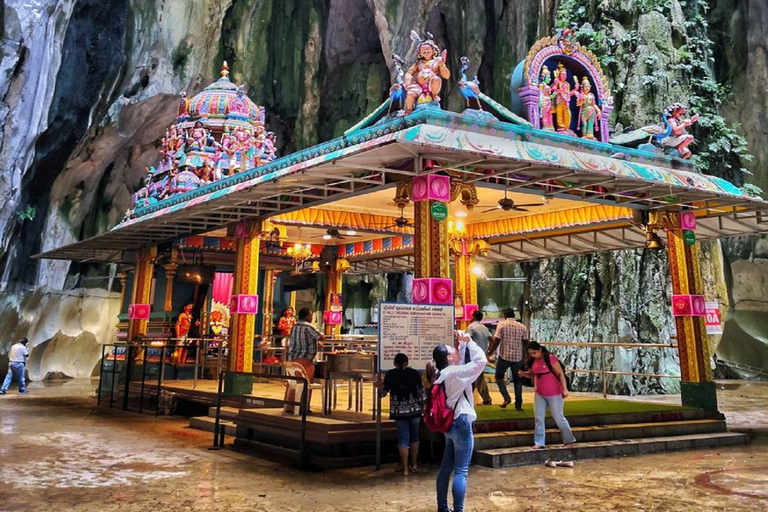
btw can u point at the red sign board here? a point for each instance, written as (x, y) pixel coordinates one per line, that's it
(712, 317)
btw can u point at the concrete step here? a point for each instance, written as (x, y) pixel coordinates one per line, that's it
(227, 413)
(523, 456)
(208, 424)
(515, 438)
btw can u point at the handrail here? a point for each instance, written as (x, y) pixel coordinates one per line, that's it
(608, 344)
(602, 371)
(218, 432)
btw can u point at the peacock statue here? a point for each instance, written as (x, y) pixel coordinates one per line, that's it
(469, 89)
(397, 91)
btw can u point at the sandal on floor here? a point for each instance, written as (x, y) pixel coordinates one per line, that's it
(413, 469)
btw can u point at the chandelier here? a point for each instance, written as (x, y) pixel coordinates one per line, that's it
(300, 253)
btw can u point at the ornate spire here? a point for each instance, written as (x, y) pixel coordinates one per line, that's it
(225, 70)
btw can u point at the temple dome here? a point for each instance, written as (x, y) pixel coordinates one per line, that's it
(223, 103)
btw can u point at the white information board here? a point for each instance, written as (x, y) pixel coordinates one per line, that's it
(413, 329)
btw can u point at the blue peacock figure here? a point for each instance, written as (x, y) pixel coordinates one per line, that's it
(469, 89)
(397, 91)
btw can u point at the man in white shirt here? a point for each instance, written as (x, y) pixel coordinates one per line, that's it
(17, 359)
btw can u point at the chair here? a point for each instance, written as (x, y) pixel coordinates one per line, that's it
(294, 389)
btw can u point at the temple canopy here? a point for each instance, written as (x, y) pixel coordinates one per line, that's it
(587, 193)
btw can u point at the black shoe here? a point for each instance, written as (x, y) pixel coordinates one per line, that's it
(519, 408)
(2, 392)
(25, 392)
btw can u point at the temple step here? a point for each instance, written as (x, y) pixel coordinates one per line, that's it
(592, 433)
(208, 424)
(522, 456)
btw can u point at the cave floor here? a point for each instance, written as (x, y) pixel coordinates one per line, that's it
(61, 452)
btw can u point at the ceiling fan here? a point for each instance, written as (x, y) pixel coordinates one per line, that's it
(506, 204)
(332, 233)
(400, 222)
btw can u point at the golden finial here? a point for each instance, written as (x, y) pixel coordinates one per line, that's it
(225, 70)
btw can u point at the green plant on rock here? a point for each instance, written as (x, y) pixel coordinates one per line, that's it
(28, 213)
(720, 149)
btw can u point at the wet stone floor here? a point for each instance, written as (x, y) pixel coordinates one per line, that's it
(60, 452)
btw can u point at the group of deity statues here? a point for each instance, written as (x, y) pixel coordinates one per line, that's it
(191, 158)
(555, 103)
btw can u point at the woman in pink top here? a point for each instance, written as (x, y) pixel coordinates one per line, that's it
(550, 390)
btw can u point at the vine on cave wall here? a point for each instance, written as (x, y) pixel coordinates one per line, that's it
(719, 149)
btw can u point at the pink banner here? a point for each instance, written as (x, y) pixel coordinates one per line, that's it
(222, 287)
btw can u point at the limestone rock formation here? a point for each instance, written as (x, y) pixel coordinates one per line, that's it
(87, 87)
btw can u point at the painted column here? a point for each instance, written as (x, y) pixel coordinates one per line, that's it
(430, 242)
(123, 277)
(268, 306)
(465, 282)
(697, 387)
(170, 276)
(245, 282)
(142, 287)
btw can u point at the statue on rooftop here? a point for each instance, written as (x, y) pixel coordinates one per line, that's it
(469, 89)
(424, 79)
(589, 112)
(397, 91)
(563, 93)
(545, 99)
(672, 132)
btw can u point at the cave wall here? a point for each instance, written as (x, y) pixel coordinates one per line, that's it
(88, 87)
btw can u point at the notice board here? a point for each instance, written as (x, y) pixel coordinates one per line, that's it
(413, 329)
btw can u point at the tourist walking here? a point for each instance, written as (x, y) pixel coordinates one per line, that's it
(17, 361)
(480, 335)
(509, 337)
(457, 379)
(549, 390)
(407, 398)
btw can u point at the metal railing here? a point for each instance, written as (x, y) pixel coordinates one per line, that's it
(117, 371)
(219, 430)
(603, 372)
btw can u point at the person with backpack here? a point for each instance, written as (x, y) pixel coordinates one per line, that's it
(550, 389)
(407, 397)
(452, 382)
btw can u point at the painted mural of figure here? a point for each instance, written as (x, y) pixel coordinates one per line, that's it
(589, 112)
(545, 99)
(563, 93)
(424, 78)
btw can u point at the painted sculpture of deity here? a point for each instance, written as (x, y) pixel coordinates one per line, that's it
(545, 99)
(672, 133)
(589, 112)
(563, 93)
(424, 79)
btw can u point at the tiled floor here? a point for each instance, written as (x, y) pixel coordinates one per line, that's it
(60, 453)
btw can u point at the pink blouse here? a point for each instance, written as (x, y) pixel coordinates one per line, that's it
(547, 383)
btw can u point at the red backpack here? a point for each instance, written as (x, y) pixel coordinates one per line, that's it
(437, 416)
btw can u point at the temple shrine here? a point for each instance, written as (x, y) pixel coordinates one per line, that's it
(227, 224)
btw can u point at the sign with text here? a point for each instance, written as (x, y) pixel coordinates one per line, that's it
(413, 329)
(714, 326)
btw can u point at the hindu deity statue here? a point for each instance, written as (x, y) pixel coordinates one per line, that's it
(198, 137)
(672, 132)
(563, 93)
(545, 99)
(424, 79)
(183, 105)
(589, 112)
